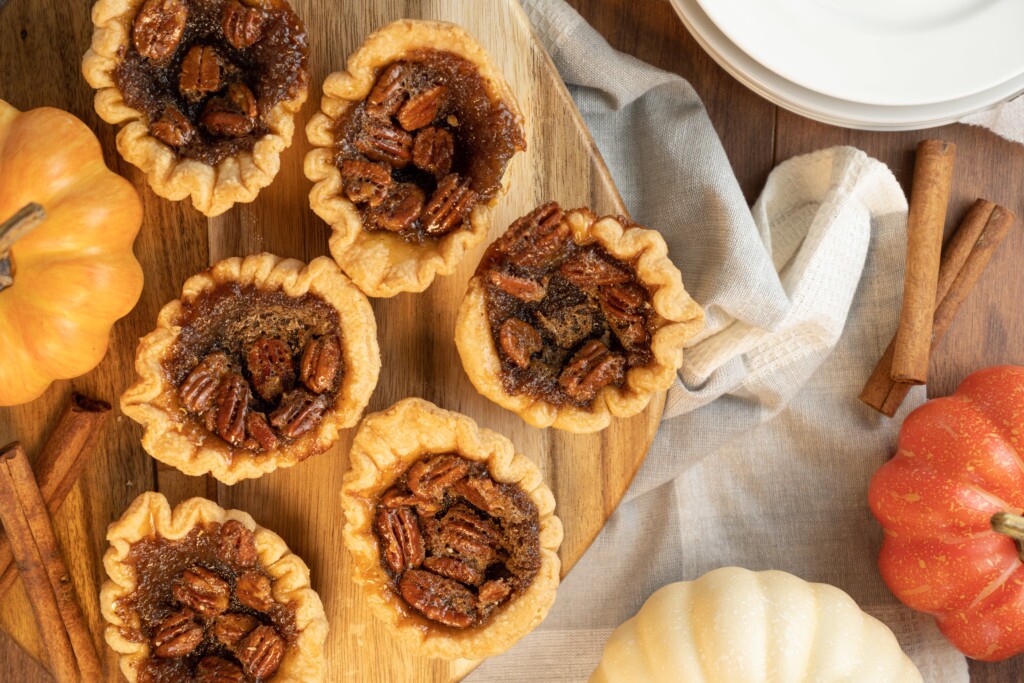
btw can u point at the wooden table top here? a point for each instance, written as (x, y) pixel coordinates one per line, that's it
(757, 136)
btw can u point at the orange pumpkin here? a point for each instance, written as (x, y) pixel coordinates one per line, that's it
(67, 273)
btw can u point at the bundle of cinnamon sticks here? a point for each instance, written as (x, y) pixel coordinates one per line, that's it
(937, 280)
(28, 545)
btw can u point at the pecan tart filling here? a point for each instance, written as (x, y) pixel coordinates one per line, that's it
(257, 368)
(203, 594)
(258, 365)
(456, 544)
(412, 148)
(453, 535)
(425, 147)
(566, 305)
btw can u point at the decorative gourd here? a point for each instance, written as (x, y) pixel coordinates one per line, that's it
(950, 503)
(67, 271)
(733, 625)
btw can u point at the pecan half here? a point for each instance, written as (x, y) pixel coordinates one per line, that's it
(236, 544)
(389, 92)
(270, 366)
(482, 493)
(469, 535)
(399, 211)
(203, 591)
(261, 652)
(381, 141)
(232, 115)
(449, 206)
(242, 26)
(172, 128)
(298, 412)
(519, 341)
(592, 368)
(438, 598)
(537, 239)
(365, 182)
(257, 426)
(453, 568)
(522, 288)
(232, 408)
(392, 498)
(321, 361)
(623, 306)
(401, 542)
(494, 592)
(217, 670)
(252, 589)
(433, 151)
(429, 478)
(200, 73)
(199, 389)
(177, 635)
(158, 29)
(590, 269)
(229, 629)
(421, 109)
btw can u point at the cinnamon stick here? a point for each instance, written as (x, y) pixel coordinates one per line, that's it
(929, 198)
(61, 623)
(963, 261)
(60, 465)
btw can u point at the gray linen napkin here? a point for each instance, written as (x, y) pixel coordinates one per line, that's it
(765, 455)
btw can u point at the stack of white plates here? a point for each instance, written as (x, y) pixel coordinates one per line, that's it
(869, 64)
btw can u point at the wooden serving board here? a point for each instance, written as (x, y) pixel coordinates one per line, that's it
(41, 45)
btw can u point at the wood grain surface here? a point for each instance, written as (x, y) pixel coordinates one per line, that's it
(756, 136)
(41, 43)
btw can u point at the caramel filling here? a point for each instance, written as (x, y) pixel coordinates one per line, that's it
(207, 73)
(567, 319)
(204, 605)
(257, 368)
(455, 544)
(426, 146)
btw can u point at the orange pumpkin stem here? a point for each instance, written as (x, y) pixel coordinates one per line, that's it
(12, 230)
(1011, 525)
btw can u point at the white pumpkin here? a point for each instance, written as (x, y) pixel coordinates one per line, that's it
(733, 625)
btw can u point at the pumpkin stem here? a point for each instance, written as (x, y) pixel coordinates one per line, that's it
(12, 230)
(1011, 525)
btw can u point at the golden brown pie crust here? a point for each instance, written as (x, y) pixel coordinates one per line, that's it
(385, 446)
(677, 319)
(213, 189)
(380, 263)
(170, 432)
(150, 514)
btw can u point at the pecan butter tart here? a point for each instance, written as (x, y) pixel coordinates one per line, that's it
(208, 90)
(258, 366)
(571, 319)
(205, 594)
(412, 148)
(452, 533)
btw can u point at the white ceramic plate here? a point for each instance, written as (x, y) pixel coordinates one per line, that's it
(822, 107)
(884, 52)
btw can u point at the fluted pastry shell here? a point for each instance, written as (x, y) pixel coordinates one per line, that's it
(213, 189)
(380, 263)
(385, 446)
(170, 432)
(149, 515)
(677, 319)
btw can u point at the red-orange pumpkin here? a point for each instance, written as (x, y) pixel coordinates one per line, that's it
(950, 503)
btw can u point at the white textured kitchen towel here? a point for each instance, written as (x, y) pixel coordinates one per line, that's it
(1006, 120)
(765, 455)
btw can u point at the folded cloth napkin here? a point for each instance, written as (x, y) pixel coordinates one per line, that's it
(1006, 120)
(765, 454)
